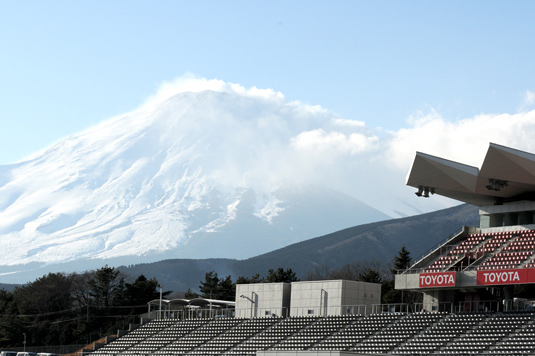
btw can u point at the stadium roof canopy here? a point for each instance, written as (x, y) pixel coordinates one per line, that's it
(506, 175)
(196, 302)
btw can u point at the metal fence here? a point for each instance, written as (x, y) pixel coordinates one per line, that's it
(282, 312)
(57, 349)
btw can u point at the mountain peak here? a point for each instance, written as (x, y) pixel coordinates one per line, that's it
(176, 178)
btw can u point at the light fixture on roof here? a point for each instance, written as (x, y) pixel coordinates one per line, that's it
(420, 191)
(424, 191)
(496, 184)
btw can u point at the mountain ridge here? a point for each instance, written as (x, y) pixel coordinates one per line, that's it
(172, 179)
(377, 241)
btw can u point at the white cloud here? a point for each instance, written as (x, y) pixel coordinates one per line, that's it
(290, 142)
(348, 123)
(309, 144)
(464, 140)
(191, 83)
(529, 98)
(319, 140)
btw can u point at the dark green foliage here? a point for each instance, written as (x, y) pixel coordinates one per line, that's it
(402, 261)
(60, 309)
(105, 287)
(142, 291)
(215, 288)
(227, 289)
(210, 286)
(370, 275)
(254, 279)
(190, 294)
(281, 275)
(9, 327)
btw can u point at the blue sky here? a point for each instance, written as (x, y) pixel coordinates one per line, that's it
(68, 65)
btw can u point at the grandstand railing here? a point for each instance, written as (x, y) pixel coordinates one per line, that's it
(458, 307)
(216, 313)
(471, 268)
(196, 313)
(461, 306)
(391, 308)
(359, 309)
(434, 249)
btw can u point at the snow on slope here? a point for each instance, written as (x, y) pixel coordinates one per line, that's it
(176, 177)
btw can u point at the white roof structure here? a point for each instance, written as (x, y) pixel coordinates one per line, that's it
(196, 302)
(506, 175)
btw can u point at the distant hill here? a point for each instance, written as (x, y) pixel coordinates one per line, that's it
(376, 241)
(8, 287)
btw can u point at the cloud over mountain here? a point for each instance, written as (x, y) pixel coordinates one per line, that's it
(183, 174)
(206, 168)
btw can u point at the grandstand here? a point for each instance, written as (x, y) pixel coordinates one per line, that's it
(468, 286)
(478, 268)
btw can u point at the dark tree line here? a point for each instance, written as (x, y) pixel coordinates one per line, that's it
(62, 309)
(372, 272)
(214, 287)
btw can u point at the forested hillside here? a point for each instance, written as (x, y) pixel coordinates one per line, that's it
(378, 242)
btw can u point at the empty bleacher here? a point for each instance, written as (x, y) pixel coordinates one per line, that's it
(489, 251)
(471, 333)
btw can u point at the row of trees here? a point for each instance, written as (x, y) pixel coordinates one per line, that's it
(373, 272)
(62, 309)
(214, 287)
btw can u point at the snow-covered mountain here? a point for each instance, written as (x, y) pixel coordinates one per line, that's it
(200, 174)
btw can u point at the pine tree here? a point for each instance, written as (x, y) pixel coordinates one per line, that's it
(209, 288)
(370, 275)
(402, 261)
(281, 275)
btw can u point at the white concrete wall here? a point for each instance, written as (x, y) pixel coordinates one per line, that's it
(308, 353)
(336, 297)
(262, 299)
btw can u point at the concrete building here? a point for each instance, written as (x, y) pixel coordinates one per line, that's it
(339, 297)
(262, 300)
(312, 298)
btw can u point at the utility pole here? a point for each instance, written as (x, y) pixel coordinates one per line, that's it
(160, 312)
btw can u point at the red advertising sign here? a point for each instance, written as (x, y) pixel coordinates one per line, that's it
(506, 276)
(441, 279)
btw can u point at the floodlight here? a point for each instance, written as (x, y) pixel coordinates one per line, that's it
(420, 190)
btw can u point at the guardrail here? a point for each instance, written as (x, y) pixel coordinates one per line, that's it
(282, 312)
(438, 245)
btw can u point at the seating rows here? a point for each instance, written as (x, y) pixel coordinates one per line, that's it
(133, 338)
(199, 336)
(316, 332)
(165, 337)
(468, 244)
(519, 343)
(495, 242)
(442, 263)
(399, 332)
(357, 331)
(448, 328)
(504, 250)
(388, 333)
(530, 264)
(504, 260)
(272, 336)
(235, 336)
(488, 333)
(523, 242)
